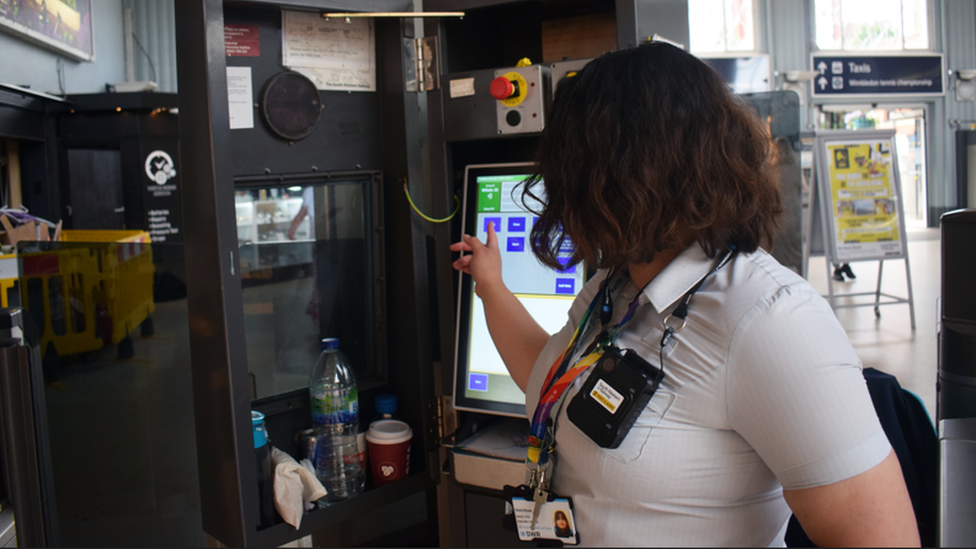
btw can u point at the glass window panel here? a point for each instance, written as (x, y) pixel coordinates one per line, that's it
(13, 294)
(828, 25)
(872, 25)
(56, 301)
(4, 497)
(916, 22)
(308, 272)
(35, 303)
(880, 25)
(76, 300)
(706, 23)
(740, 33)
(120, 434)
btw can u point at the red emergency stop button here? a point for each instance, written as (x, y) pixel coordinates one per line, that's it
(502, 88)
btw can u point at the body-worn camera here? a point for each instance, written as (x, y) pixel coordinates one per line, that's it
(615, 394)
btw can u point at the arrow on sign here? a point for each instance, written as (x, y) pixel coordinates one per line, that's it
(822, 82)
(822, 67)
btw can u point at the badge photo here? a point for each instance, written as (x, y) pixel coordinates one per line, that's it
(555, 520)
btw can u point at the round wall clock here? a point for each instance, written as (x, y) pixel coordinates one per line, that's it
(290, 104)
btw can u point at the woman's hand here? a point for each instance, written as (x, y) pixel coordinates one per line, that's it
(517, 336)
(482, 261)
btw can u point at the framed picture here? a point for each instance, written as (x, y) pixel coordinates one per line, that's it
(64, 26)
(860, 188)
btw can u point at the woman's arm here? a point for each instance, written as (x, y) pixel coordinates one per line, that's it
(871, 509)
(296, 222)
(798, 396)
(517, 336)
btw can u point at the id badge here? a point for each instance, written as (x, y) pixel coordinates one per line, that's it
(555, 520)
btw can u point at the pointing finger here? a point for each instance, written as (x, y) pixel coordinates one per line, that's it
(492, 241)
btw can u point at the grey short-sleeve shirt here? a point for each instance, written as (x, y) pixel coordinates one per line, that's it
(762, 390)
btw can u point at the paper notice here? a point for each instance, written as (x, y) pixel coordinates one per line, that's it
(241, 40)
(239, 98)
(334, 53)
(462, 87)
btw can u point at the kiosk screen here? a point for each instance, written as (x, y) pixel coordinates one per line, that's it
(493, 194)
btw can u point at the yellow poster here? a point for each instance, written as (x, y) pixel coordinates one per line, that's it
(864, 199)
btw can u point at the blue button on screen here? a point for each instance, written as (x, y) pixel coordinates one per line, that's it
(496, 220)
(516, 244)
(516, 224)
(565, 286)
(478, 382)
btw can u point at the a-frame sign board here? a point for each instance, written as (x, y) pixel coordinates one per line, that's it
(859, 201)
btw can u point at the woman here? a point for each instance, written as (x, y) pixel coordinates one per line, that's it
(660, 178)
(561, 525)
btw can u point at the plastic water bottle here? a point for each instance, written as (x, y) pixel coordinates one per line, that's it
(335, 409)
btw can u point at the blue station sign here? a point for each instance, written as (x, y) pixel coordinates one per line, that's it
(842, 75)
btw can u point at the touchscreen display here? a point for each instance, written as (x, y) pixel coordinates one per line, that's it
(495, 198)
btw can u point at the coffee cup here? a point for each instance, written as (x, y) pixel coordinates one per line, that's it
(389, 450)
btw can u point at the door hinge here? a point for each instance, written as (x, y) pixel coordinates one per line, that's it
(429, 63)
(446, 422)
(422, 64)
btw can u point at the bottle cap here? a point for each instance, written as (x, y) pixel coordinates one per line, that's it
(330, 343)
(257, 425)
(385, 404)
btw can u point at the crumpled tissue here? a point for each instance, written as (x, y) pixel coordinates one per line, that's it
(295, 487)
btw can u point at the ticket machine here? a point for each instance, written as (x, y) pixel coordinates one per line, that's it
(379, 109)
(500, 67)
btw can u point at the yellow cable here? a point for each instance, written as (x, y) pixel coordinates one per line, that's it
(431, 219)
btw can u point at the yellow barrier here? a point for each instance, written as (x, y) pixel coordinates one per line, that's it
(86, 297)
(8, 279)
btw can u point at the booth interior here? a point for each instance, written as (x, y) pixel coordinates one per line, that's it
(308, 188)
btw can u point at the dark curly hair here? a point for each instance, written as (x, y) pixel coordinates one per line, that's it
(647, 150)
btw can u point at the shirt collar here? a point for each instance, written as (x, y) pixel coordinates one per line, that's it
(678, 277)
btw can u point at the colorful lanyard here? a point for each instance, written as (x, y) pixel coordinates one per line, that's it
(559, 379)
(541, 435)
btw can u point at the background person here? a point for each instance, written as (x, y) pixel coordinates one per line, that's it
(654, 170)
(841, 269)
(308, 210)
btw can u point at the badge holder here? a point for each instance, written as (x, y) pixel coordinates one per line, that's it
(532, 510)
(555, 524)
(614, 396)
